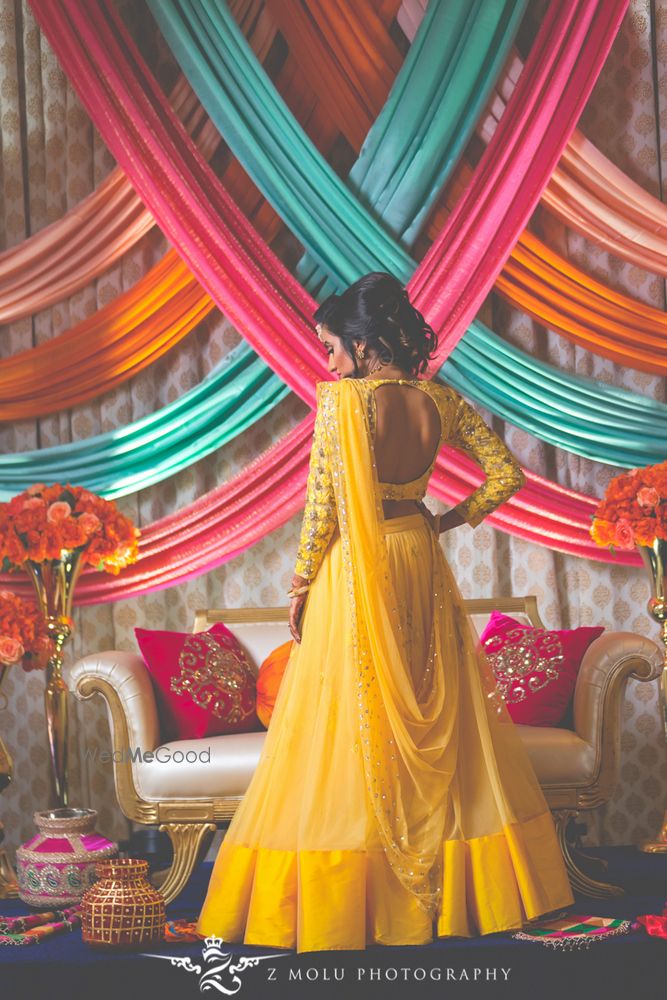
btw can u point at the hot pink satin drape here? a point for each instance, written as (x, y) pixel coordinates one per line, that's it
(478, 236)
(238, 514)
(589, 193)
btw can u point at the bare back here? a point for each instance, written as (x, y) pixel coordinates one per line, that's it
(407, 435)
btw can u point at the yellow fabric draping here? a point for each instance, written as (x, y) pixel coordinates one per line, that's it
(108, 347)
(393, 797)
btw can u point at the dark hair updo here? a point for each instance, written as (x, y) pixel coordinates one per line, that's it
(376, 310)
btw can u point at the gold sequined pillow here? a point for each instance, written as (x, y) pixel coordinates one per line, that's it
(535, 668)
(204, 683)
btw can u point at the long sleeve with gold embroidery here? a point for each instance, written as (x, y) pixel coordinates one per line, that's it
(504, 475)
(319, 516)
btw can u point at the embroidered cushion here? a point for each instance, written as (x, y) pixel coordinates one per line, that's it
(204, 682)
(269, 678)
(536, 669)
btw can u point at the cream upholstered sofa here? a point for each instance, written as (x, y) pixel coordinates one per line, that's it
(577, 768)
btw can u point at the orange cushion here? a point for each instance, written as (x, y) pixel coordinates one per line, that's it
(268, 680)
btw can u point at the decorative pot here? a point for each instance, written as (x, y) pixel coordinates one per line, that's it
(122, 909)
(57, 865)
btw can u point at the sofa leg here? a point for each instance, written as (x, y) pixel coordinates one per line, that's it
(190, 842)
(580, 882)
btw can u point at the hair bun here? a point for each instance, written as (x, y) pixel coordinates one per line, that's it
(377, 310)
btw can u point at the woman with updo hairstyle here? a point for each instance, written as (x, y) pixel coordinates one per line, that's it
(393, 801)
(376, 312)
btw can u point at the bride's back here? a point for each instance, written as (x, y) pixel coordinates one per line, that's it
(407, 432)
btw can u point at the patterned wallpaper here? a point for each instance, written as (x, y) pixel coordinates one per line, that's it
(50, 158)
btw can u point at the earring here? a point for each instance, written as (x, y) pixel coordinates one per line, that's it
(359, 351)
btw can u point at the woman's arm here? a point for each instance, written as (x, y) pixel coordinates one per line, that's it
(504, 475)
(319, 516)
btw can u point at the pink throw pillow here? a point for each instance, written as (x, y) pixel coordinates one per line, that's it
(535, 669)
(204, 683)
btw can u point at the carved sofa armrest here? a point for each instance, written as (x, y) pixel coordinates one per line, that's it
(123, 680)
(609, 662)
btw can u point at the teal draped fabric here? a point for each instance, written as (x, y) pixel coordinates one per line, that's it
(239, 391)
(437, 98)
(582, 415)
(244, 122)
(430, 113)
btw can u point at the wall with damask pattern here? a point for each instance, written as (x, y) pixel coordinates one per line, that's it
(51, 157)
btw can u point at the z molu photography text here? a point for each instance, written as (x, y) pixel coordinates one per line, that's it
(395, 974)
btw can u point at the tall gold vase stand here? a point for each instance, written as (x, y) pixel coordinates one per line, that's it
(8, 882)
(655, 560)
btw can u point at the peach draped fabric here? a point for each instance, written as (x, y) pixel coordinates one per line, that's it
(61, 258)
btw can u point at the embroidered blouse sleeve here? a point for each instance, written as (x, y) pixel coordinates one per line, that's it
(319, 516)
(504, 475)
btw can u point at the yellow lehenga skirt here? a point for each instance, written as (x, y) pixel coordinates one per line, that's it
(302, 864)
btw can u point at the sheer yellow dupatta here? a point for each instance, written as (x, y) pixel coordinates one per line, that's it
(409, 740)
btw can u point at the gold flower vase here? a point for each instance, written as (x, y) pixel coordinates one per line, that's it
(54, 581)
(655, 560)
(8, 881)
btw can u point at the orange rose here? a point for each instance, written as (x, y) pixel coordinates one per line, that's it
(11, 650)
(624, 536)
(58, 511)
(648, 497)
(90, 523)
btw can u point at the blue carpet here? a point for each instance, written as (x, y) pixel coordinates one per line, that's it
(632, 965)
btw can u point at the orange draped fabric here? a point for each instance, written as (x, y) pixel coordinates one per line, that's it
(346, 48)
(561, 296)
(109, 347)
(581, 309)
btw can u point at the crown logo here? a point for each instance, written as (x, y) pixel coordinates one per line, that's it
(212, 946)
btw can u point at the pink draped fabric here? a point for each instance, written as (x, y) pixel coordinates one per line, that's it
(466, 258)
(590, 194)
(238, 514)
(242, 275)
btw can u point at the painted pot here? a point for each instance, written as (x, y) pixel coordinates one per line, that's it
(122, 909)
(57, 865)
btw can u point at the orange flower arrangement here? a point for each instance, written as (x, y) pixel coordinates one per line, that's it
(38, 523)
(23, 636)
(633, 510)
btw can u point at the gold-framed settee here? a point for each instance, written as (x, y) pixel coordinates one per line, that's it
(577, 768)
